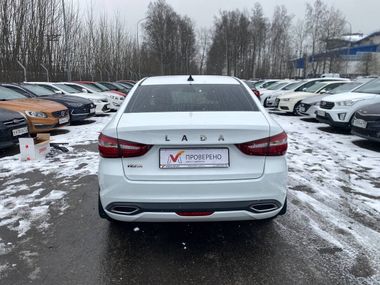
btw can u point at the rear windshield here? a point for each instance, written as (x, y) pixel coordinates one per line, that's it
(191, 98)
(66, 88)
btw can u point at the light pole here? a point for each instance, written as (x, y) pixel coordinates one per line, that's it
(349, 46)
(67, 58)
(138, 44)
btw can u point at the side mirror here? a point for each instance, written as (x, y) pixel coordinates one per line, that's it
(84, 90)
(58, 92)
(323, 91)
(304, 89)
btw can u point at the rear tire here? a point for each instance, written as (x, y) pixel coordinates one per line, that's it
(265, 102)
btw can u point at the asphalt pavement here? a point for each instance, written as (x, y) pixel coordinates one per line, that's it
(81, 248)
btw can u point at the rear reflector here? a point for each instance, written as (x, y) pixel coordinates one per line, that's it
(272, 146)
(194, 214)
(115, 148)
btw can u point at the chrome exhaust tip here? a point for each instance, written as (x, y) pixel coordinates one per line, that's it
(264, 207)
(121, 209)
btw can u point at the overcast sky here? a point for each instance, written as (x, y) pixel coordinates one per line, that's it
(364, 15)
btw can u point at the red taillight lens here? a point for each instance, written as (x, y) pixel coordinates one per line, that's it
(108, 147)
(114, 148)
(257, 93)
(272, 146)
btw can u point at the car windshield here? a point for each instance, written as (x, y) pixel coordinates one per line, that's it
(315, 87)
(38, 90)
(66, 88)
(102, 87)
(345, 88)
(92, 87)
(191, 98)
(372, 87)
(121, 86)
(277, 86)
(8, 94)
(293, 86)
(266, 85)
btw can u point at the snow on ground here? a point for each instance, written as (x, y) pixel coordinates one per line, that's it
(30, 189)
(336, 185)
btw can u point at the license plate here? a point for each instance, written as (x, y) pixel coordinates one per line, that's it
(359, 123)
(64, 120)
(194, 158)
(321, 113)
(92, 110)
(20, 131)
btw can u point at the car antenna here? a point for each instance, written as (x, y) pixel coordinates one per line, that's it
(190, 78)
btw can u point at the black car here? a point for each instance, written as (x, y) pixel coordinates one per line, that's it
(366, 123)
(13, 126)
(79, 108)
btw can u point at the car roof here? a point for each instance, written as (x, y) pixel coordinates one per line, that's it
(183, 79)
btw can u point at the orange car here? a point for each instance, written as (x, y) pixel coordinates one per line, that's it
(42, 115)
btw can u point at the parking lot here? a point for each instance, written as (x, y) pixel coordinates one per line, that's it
(50, 231)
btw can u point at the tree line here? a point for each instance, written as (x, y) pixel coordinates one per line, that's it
(54, 38)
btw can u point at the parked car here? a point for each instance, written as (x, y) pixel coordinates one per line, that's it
(79, 108)
(13, 126)
(338, 110)
(100, 101)
(251, 85)
(310, 105)
(277, 87)
(114, 100)
(42, 115)
(115, 87)
(366, 123)
(291, 102)
(198, 148)
(262, 85)
(300, 87)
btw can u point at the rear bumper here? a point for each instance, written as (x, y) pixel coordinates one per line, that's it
(371, 133)
(158, 201)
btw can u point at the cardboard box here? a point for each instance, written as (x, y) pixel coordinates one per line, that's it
(34, 148)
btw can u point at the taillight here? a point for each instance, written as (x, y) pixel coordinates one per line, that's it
(115, 148)
(257, 93)
(272, 146)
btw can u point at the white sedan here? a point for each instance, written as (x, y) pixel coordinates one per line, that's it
(185, 148)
